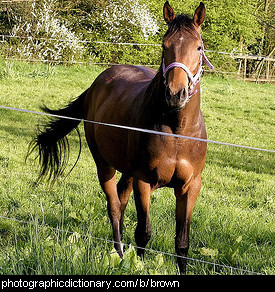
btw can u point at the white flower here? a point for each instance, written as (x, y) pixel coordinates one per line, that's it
(45, 24)
(122, 16)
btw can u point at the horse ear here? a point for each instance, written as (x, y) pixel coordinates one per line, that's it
(168, 12)
(199, 15)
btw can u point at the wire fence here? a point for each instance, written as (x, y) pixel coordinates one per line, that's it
(264, 73)
(138, 129)
(232, 54)
(14, 1)
(149, 132)
(151, 250)
(2, 37)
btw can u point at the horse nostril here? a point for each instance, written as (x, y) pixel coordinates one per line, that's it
(181, 94)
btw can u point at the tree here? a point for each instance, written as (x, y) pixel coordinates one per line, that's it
(233, 26)
(266, 18)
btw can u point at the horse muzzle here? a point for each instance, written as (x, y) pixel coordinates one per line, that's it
(176, 101)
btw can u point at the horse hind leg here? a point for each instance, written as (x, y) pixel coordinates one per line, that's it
(107, 179)
(142, 192)
(124, 189)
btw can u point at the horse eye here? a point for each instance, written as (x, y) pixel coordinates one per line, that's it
(199, 48)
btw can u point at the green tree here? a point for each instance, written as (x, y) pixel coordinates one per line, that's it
(245, 26)
(266, 18)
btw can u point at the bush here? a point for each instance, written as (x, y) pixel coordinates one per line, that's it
(126, 20)
(230, 26)
(34, 35)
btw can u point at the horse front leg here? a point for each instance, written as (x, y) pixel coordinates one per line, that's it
(185, 201)
(142, 192)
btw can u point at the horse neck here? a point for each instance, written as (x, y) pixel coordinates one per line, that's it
(158, 114)
(189, 116)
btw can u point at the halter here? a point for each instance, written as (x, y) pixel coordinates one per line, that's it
(193, 79)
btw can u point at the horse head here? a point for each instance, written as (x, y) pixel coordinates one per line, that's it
(183, 53)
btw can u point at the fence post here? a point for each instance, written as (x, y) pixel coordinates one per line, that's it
(244, 67)
(260, 70)
(267, 70)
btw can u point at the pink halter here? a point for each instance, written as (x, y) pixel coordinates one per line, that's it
(193, 79)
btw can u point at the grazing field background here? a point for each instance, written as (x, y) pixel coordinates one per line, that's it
(66, 230)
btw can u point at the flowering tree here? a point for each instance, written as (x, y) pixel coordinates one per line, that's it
(45, 36)
(122, 19)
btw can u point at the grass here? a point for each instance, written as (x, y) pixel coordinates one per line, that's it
(56, 230)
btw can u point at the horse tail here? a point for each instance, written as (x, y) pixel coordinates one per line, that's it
(51, 141)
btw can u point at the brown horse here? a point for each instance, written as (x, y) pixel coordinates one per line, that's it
(166, 101)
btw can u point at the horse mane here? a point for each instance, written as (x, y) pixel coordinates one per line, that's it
(182, 22)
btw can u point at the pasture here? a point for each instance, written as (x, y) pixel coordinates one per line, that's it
(66, 230)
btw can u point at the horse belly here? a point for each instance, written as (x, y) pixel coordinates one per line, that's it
(112, 145)
(108, 143)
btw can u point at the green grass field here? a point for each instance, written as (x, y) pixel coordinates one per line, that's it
(64, 230)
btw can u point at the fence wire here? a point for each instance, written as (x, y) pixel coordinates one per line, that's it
(151, 250)
(238, 56)
(138, 129)
(149, 132)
